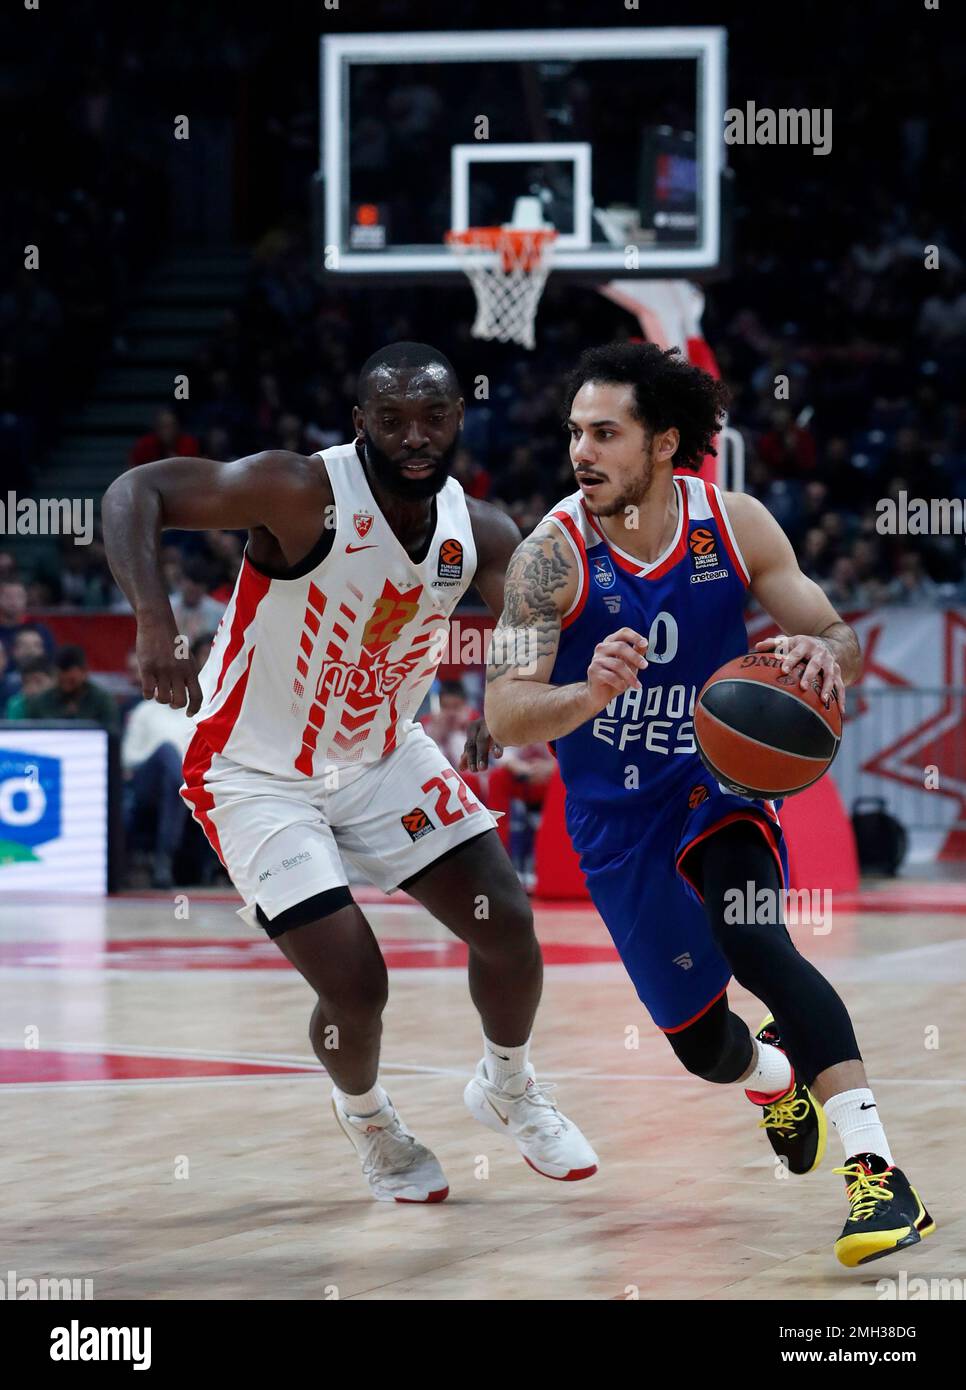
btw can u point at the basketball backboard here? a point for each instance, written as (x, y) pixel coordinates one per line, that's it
(619, 133)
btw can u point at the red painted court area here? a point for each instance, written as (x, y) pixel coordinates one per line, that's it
(187, 953)
(24, 1066)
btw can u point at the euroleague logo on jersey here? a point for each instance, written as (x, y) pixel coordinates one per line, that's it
(450, 564)
(416, 823)
(702, 543)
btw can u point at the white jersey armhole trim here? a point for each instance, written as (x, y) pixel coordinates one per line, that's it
(580, 563)
(339, 514)
(731, 534)
(457, 501)
(699, 505)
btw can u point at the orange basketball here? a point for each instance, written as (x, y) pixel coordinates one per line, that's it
(759, 733)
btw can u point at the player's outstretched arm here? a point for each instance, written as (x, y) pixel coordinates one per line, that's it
(521, 705)
(816, 634)
(283, 492)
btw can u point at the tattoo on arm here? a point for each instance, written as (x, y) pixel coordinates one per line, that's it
(529, 625)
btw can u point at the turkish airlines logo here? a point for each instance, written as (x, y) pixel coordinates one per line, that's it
(701, 543)
(450, 560)
(363, 523)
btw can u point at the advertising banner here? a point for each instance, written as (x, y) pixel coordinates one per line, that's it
(53, 810)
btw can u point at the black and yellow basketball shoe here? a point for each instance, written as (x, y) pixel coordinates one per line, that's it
(794, 1122)
(885, 1211)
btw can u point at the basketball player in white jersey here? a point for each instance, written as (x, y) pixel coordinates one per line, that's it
(306, 756)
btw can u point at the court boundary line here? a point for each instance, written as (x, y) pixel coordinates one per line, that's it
(310, 1069)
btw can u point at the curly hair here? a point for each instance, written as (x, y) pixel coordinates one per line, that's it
(668, 393)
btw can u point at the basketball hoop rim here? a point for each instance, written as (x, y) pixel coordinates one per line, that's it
(507, 267)
(527, 246)
(492, 236)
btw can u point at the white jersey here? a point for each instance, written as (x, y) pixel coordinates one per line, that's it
(331, 664)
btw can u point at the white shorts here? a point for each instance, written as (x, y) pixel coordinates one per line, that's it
(285, 839)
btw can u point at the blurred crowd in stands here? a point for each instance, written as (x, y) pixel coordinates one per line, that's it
(856, 421)
(845, 355)
(827, 288)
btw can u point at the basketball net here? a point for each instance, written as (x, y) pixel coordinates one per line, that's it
(508, 281)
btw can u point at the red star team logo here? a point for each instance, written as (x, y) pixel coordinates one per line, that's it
(363, 523)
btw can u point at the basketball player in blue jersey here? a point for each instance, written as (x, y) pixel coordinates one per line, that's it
(625, 599)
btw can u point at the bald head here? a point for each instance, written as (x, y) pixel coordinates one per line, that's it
(414, 367)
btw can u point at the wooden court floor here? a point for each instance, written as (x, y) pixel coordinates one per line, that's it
(167, 1133)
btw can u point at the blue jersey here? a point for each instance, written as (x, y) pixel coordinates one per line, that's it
(639, 799)
(639, 751)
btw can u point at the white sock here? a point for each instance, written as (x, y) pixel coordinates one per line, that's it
(855, 1117)
(362, 1106)
(503, 1062)
(772, 1074)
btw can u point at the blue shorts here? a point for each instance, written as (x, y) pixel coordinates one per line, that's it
(632, 865)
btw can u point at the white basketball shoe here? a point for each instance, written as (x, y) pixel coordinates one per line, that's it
(394, 1163)
(522, 1108)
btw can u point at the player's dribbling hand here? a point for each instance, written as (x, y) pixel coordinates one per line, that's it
(818, 659)
(480, 744)
(165, 676)
(616, 665)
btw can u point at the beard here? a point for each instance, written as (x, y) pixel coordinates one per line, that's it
(389, 475)
(634, 495)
